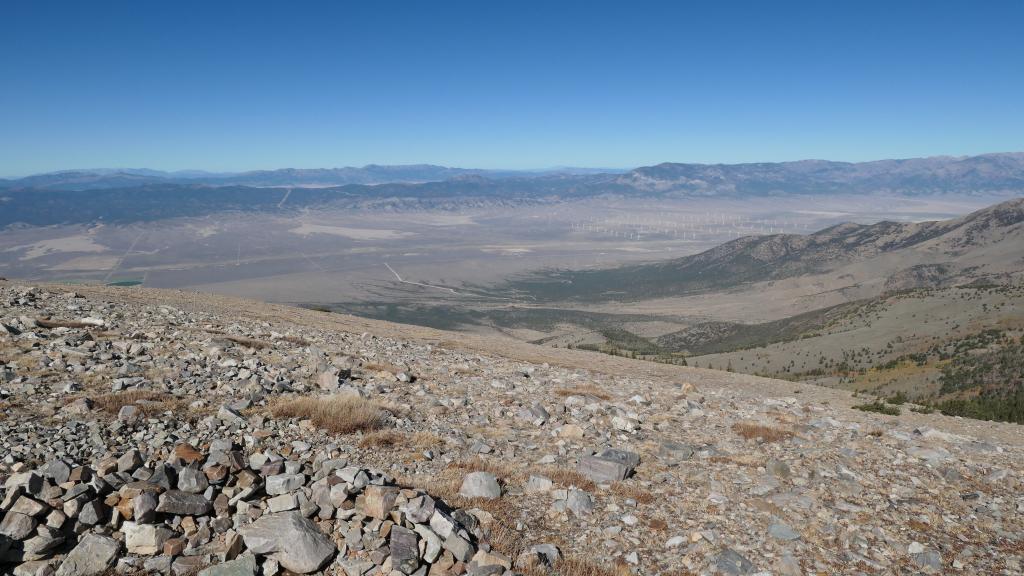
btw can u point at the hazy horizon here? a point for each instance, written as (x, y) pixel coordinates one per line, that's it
(553, 168)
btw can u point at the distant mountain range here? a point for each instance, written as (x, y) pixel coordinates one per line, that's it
(297, 177)
(139, 195)
(988, 172)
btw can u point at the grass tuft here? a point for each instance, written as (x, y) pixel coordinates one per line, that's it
(248, 342)
(565, 477)
(386, 439)
(150, 402)
(584, 390)
(762, 432)
(627, 490)
(579, 567)
(341, 414)
(62, 324)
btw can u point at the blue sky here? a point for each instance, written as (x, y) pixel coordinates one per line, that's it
(254, 85)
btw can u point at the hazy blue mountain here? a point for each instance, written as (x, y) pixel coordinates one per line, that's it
(92, 179)
(370, 174)
(985, 173)
(140, 194)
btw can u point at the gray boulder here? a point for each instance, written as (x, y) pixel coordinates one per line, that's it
(93, 556)
(192, 480)
(144, 508)
(579, 503)
(18, 526)
(480, 485)
(291, 539)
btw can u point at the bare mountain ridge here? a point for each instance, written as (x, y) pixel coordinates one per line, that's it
(916, 176)
(962, 249)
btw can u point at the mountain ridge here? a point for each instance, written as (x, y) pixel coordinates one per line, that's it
(774, 257)
(917, 175)
(987, 172)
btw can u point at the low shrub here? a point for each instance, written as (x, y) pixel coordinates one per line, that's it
(878, 407)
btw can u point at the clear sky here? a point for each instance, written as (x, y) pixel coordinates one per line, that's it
(222, 85)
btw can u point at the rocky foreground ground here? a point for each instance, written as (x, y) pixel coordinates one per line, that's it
(160, 432)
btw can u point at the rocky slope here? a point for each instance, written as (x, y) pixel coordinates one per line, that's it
(167, 432)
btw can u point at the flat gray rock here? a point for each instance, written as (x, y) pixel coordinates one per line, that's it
(183, 503)
(611, 465)
(781, 531)
(284, 483)
(731, 562)
(243, 566)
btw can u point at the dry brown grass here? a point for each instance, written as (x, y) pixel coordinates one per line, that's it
(750, 461)
(505, 472)
(249, 342)
(762, 432)
(341, 414)
(580, 567)
(583, 390)
(62, 324)
(150, 402)
(443, 486)
(466, 370)
(385, 439)
(382, 367)
(297, 340)
(565, 477)
(627, 490)
(918, 526)
(657, 524)
(505, 539)
(424, 440)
